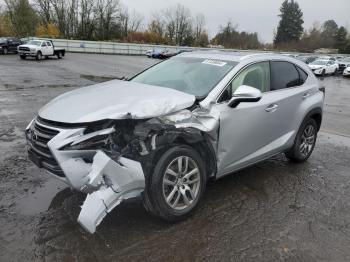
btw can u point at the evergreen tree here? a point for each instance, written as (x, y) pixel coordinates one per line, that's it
(329, 33)
(290, 27)
(340, 38)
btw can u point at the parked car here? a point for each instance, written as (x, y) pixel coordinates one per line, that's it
(307, 59)
(343, 64)
(40, 49)
(9, 45)
(156, 53)
(165, 132)
(169, 54)
(324, 67)
(346, 71)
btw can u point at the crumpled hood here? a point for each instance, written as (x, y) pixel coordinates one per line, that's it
(115, 100)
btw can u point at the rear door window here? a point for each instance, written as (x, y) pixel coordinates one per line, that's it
(283, 75)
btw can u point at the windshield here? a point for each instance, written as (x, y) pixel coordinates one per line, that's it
(196, 76)
(318, 62)
(34, 42)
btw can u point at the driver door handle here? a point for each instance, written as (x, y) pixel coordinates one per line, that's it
(271, 108)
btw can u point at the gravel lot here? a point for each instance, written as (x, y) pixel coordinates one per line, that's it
(274, 211)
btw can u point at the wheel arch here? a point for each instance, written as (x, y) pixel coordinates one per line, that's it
(316, 114)
(199, 141)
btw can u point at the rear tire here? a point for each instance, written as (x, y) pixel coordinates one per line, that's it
(38, 56)
(59, 55)
(305, 141)
(5, 51)
(173, 192)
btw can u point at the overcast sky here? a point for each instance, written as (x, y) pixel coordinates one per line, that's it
(251, 15)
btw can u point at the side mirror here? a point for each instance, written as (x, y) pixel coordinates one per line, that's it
(245, 94)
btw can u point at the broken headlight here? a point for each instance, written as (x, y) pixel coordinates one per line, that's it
(98, 140)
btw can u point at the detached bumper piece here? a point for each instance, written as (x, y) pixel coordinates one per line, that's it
(109, 183)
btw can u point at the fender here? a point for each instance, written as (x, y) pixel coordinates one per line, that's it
(316, 114)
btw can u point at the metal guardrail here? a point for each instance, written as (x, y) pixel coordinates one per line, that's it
(83, 46)
(96, 47)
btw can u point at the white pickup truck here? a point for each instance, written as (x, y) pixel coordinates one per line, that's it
(40, 49)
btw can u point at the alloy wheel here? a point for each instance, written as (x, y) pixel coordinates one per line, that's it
(181, 183)
(308, 139)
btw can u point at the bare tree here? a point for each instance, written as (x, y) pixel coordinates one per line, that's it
(178, 24)
(86, 24)
(135, 23)
(106, 12)
(44, 9)
(59, 15)
(199, 24)
(157, 25)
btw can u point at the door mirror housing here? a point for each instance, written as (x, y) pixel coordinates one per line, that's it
(245, 94)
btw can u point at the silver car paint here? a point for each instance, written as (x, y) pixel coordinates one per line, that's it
(115, 99)
(240, 136)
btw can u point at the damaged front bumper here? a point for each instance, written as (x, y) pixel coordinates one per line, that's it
(110, 183)
(107, 181)
(112, 163)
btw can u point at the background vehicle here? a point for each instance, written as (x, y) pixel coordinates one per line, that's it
(307, 59)
(156, 53)
(40, 49)
(346, 71)
(9, 45)
(343, 64)
(165, 132)
(324, 67)
(164, 54)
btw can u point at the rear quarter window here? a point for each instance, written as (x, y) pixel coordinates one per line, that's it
(283, 75)
(302, 74)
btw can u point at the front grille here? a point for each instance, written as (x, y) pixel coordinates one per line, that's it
(38, 138)
(23, 48)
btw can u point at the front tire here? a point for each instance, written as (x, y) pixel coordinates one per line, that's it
(23, 57)
(323, 74)
(177, 184)
(305, 141)
(38, 56)
(5, 51)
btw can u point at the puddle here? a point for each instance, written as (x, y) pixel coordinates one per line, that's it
(98, 79)
(41, 200)
(55, 86)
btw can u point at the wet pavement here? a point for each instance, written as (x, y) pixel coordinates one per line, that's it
(274, 211)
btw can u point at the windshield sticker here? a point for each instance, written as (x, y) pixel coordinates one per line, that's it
(214, 62)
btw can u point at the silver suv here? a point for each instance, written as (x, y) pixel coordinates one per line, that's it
(166, 131)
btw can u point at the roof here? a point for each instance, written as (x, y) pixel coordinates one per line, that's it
(231, 56)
